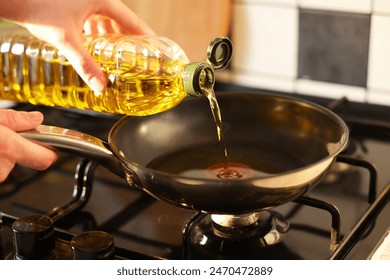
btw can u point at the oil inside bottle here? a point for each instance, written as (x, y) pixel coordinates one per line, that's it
(35, 72)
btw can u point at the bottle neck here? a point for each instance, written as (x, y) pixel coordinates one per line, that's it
(198, 77)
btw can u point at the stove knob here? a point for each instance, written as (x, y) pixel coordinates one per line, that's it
(93, 245)
(33, 237)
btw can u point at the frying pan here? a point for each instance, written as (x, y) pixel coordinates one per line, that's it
(289, 143)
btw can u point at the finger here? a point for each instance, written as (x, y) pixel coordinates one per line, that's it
(35, 155)
(90, 26)
(6, 167)
(98, 24)
(84, 64)
(15, 149)
(125, 17)
(105, 26)
(118, 29)
(20, 120)
(70, 43)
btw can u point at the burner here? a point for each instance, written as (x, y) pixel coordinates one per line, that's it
(234, 236)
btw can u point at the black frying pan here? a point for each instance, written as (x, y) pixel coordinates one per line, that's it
(290, 143)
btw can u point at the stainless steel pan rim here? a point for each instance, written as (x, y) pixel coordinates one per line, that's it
(311, 132)
(324, 161)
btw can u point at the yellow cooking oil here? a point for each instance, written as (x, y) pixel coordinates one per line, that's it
(146, 75)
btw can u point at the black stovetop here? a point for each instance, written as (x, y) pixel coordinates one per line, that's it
(350, 204)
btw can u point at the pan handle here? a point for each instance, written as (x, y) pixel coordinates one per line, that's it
(77, 143)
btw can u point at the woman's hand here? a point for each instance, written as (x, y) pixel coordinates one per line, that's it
(15, 149)
(62, 23)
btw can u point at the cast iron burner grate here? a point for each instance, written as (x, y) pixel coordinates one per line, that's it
(362, 128)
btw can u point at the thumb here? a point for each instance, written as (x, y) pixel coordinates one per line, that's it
(20, 120)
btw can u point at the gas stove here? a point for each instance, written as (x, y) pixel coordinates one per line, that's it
(78, 210)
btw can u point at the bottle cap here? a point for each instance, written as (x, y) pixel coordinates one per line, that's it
(197, 77)
(219, 53)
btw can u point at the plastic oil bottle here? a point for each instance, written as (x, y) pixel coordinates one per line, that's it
(146, 75)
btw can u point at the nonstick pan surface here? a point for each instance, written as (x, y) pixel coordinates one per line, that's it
(287, 143)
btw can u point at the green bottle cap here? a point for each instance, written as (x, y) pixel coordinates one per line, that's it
(199, 77)
(196, 77)
(219, 53)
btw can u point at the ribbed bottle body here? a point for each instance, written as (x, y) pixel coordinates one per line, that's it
(143, 73)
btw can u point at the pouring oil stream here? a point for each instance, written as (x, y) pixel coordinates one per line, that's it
(227, 172)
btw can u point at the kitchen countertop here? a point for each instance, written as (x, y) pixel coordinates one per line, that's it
(382, 252)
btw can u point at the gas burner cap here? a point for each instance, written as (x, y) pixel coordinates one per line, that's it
(235, 221)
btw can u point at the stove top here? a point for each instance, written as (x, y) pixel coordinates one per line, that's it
(344, 217)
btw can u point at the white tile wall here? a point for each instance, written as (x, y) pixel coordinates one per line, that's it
(290, 3)
(378, 97)
(357, 6)
(381, 6)
(270, 59)
(330, 90)
(378, 81)
(265, 37)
